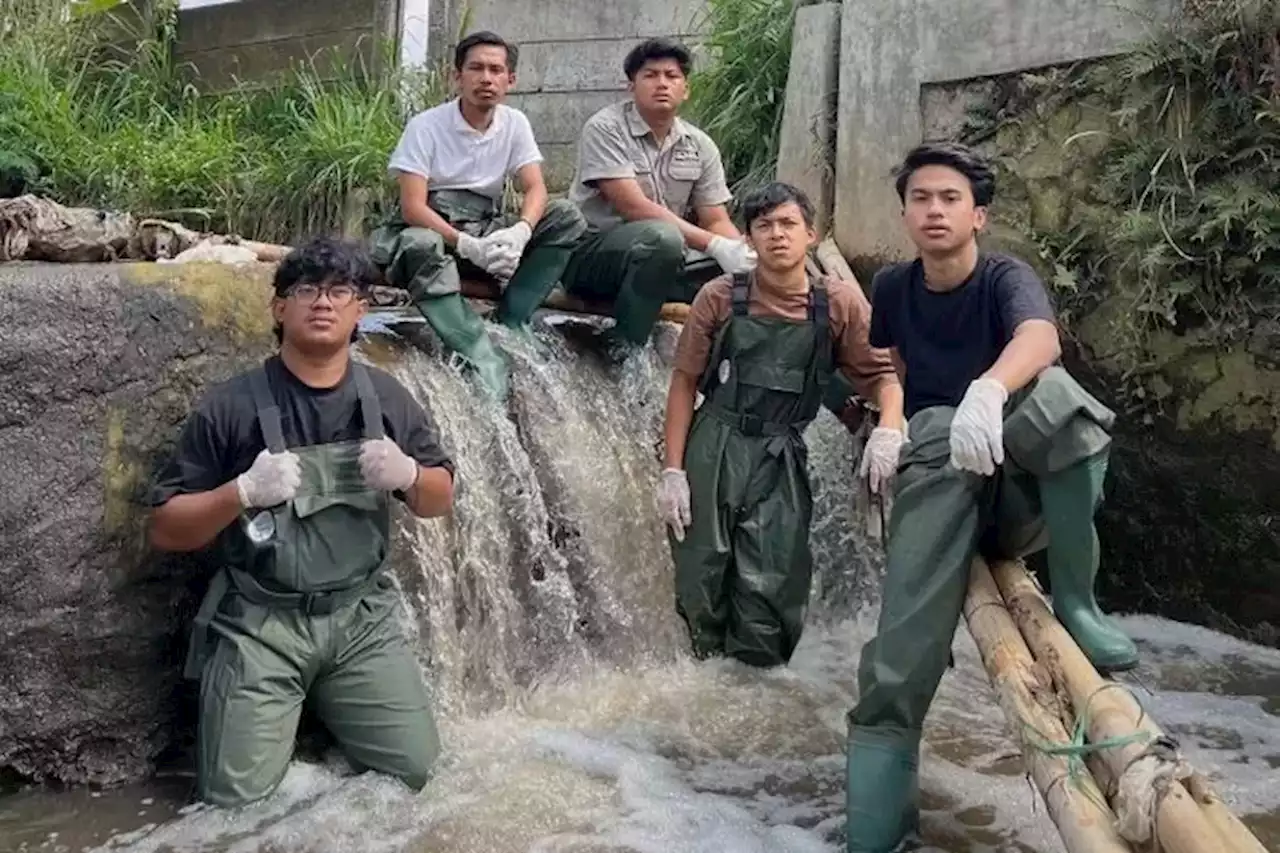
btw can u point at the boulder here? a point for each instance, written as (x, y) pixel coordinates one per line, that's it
(100, 365)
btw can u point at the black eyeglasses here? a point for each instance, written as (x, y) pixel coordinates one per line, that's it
(339, 294)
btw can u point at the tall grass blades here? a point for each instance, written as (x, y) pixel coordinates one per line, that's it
(737, 95)
(128, 130)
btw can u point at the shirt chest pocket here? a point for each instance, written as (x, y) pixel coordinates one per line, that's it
(681, 171)
(645, 177)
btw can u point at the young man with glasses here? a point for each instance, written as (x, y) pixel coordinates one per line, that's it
(286, 473)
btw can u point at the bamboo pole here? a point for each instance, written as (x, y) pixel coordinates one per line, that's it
(1180, 824)
(1078, 808)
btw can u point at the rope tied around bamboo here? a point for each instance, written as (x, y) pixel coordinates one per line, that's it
(1147, 776)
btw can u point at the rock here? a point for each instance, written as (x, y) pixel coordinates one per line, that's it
(101, 364)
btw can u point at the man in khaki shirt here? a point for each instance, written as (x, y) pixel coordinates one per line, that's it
(762, 347)
(652, 189)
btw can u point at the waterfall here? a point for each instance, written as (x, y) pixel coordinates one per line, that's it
(555, 558)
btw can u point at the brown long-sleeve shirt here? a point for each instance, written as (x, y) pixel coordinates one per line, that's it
(864, 365)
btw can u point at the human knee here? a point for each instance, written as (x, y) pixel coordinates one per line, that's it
(416, 764)
(666, 241)
(420, 245)
(221, 787)
(562, 224)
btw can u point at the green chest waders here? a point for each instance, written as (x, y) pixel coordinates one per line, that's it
(744, 567)
(302, 607)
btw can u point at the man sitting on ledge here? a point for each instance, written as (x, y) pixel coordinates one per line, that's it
(1003, 449)
(642, 173)
(452, 163)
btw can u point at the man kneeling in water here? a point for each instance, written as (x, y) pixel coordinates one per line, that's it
(287, 471)
(1004, 448)
(763, 346)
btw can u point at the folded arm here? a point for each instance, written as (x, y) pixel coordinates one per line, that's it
(626, 197)
(416, 211)
(534, 189)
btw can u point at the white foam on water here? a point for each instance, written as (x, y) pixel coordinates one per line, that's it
(692, 757)
(573, 723)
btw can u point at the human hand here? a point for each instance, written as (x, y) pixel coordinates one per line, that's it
(272, 479)
(880, 459)
(977, 430)
(732, 255)
(673, 501)
(385, 467)
(514, 237)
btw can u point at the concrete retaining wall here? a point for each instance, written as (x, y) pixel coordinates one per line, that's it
(571, 54)
(252, 40)
(806, 147)
(891, 48)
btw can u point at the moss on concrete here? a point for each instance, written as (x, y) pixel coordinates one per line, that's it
(233, 299)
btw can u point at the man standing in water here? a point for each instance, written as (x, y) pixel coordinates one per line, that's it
(452, 163)
(287, 471)
(1004, 448)
(735, 491)
(653, 191)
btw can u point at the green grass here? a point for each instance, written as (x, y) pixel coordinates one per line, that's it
(131, 133)
(738, 94)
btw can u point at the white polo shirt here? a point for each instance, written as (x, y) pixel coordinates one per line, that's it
(439, 145)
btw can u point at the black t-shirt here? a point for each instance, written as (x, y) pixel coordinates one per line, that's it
(221, 438)
(947, 340)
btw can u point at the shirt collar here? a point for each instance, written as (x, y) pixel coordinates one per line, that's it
(639, 127)
(460, 124)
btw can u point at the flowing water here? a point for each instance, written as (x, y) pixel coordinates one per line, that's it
(572, 720)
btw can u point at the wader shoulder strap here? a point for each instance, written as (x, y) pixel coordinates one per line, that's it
(739, 304)
(822, 362)
(370, 406)
(268, 411)
(820, 316)
(740, 300)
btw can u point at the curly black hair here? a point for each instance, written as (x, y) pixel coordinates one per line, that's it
(326, 260)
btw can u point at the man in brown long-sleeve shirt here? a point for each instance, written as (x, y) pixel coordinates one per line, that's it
(761, 347)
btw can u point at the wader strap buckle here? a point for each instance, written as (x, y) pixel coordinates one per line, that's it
(317, 603)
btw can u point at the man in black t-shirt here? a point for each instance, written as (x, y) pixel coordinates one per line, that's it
(287, 472)
(1005, 455)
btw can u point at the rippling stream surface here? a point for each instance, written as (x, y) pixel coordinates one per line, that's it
(573, 721)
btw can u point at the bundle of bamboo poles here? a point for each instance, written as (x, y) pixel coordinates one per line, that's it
(1112, 781)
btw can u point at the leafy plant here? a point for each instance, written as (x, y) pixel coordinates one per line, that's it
(739, 94)
(127, 129)
(1185, 219)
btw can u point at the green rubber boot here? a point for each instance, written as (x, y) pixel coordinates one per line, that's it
(1069, 499)
(537, 276)
(882, 806)
(464, 333)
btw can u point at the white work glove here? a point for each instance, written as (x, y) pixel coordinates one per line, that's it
(385, 467)
(514, 237)
(880, 459)
(673, 501)
(272, 479)
(977, 430)
(474, 249)
(732, 255)
(503, 262)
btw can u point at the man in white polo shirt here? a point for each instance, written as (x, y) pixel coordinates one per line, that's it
(452, 163)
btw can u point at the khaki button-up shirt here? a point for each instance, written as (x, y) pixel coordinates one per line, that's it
(683, 173)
